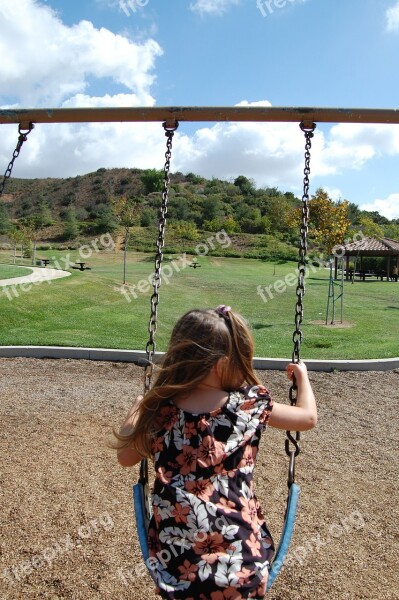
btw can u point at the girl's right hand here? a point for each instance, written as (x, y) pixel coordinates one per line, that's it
(297, 370)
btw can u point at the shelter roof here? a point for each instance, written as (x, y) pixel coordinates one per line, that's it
(369, 246)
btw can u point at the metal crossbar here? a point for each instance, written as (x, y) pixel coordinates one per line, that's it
(200, 113)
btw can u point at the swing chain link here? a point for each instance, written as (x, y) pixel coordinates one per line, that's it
(23, 136)
(160, 243)
(308, 130)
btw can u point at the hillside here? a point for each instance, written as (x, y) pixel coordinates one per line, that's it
(262, 222)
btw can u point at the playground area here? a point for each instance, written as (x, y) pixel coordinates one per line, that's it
(67, 528)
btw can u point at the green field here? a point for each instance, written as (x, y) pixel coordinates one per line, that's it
(86, 310)
(9, 271)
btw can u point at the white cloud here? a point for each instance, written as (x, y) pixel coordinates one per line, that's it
(392, 15)
(389, 207)
(66, 150)
(48, 61)
(351, 146)
(334, 193)
(215, 7)
(219, 7)
(270, 153)
(50, 64)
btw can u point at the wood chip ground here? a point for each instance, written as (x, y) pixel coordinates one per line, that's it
(67, 525)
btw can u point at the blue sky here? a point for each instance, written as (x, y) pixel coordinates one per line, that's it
(208, 52)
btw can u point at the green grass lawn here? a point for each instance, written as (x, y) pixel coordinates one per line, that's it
(85, 309)
(10, 271)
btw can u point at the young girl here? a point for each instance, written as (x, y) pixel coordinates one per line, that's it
(201, 424)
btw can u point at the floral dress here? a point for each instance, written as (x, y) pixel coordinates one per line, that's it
(207, 538)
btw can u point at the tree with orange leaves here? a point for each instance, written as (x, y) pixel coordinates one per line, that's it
(328, 220)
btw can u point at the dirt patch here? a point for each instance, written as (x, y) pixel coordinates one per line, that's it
(67, 527)
(336, 325)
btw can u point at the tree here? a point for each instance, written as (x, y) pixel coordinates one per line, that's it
(43, 216)
(186, 231)
(193, 178)
(30, 228)
(328, 220)
(30, 234)
(370, 228)
(71, 227)
(179, 208)
(106, 221)
(230, 226)
(250, 219)
(376, 217)
(152, 179)
(148, 217)
(354, 213)
(277, 209)
(391, 231)
(5, 224)
(17, 239)
(212, 208)
(245, 185)
(126, 211)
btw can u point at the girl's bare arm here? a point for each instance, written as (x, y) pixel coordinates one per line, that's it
(128, 456)
(303, 416)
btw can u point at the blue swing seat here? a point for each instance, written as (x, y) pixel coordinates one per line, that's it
(141, 518)
(288, 529)
(143, 511)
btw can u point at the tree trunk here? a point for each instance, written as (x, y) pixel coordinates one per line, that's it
(125, 255)
(34, 253)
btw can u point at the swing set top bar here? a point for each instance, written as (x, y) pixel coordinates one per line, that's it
(199, 113)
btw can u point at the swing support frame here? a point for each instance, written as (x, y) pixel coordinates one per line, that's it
(199, 113)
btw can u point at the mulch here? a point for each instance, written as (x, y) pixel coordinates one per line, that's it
(67, 528)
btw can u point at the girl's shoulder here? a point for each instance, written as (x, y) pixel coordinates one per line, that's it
(254, 401)
(251, 399)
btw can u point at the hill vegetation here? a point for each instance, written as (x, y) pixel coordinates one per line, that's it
(261, 222)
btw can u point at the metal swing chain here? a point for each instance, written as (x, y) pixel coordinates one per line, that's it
(308, 129)
(160, 243)
(23, 136)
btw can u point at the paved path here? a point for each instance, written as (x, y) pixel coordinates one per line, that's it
(38, 275)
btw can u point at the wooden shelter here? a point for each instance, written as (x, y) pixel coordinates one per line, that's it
(369, 246)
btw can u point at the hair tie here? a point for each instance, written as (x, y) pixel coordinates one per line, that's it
(222, 309)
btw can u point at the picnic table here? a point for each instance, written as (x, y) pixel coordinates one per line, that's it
(365, 274)
(81, 266)
(43, 261)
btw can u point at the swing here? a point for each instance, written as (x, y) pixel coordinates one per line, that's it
(141, 496)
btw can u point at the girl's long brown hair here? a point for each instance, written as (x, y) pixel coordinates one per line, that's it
(199, 339)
